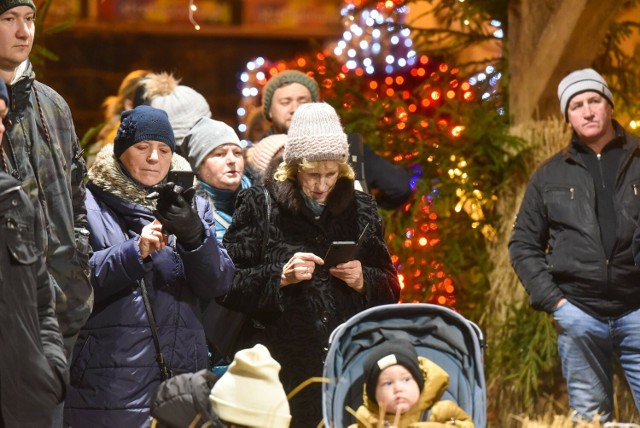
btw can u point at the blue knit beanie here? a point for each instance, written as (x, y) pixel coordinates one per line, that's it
(143, 123)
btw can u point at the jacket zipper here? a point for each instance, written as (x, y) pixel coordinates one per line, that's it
(599, 156)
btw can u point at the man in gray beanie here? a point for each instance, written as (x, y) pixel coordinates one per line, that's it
(572, 246)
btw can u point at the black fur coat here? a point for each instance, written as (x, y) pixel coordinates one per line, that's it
(298, 319)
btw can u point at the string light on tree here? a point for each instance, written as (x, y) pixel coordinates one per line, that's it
(374, 38)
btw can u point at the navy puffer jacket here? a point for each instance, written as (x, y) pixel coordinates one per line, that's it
(114, 372)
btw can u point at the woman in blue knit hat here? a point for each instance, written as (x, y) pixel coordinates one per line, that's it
(151, 263)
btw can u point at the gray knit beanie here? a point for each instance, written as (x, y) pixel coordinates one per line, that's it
(183, 104)
(204, 137)
(283, 78)
(581, 81)
(316, 135)
(5, 5)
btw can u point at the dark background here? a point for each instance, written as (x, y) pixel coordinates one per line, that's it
(94, 58)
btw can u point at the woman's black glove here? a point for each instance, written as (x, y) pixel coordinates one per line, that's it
(177, 215)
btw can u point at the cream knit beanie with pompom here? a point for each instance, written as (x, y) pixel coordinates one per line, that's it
(316, 135)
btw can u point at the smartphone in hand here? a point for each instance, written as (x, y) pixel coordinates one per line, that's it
(183, 179)
(340, 252)
(343, 251)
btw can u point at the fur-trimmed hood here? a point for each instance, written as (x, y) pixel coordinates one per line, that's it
(289, 196)
(106, 173)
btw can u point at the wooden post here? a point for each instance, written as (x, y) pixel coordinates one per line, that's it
(546, 41)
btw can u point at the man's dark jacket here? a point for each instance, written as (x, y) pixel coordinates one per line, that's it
(556, 246)
(33, 367)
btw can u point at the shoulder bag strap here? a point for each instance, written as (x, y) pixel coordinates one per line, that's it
(165, 372)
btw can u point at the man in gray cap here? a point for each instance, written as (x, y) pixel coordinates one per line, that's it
(571, 246)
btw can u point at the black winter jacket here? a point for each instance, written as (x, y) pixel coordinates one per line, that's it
(299, 318)
(33, 367)
(556, 246)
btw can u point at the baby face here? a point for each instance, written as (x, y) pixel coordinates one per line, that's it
(397, 390)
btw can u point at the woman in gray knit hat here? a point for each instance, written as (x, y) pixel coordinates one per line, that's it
(216, 156)
(296, 299)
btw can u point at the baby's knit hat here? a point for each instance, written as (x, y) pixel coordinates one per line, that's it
(204, 137)
(283, 78)
(5, 5)
(581, 81)
(250, 392)
(260, 154)
(387, 354)
(143, 123)
(183, 104)
(315, 134)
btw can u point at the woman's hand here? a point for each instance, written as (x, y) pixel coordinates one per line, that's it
(299, 268)
(152, 239)
(351, 273)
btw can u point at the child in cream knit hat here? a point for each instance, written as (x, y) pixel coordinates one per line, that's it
(250, 393)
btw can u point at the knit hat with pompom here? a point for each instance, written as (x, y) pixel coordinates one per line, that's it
(183, 104)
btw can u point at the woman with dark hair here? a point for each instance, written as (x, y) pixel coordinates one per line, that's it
(282, 282)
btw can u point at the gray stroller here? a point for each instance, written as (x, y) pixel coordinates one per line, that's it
(438, 333)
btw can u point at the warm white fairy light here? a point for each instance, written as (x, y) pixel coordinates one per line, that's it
(370, 44)
(193, 8)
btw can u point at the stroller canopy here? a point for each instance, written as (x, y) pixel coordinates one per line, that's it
(437, 332)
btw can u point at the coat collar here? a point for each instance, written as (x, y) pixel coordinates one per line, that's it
(20, 88)
(106, 174)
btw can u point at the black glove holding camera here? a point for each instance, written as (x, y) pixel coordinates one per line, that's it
(177, 215)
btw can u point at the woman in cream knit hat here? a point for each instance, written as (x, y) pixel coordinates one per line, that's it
(286, 287)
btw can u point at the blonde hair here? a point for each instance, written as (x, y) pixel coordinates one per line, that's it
(287, 171)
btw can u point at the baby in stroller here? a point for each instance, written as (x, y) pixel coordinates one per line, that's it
(401, 389)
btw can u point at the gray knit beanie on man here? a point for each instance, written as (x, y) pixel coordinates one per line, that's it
(5, 5)
(316, 135)
(581, 81)
(283, 78)
(204, 137)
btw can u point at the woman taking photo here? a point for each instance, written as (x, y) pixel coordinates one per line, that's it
(295, 300)
(151, 264)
